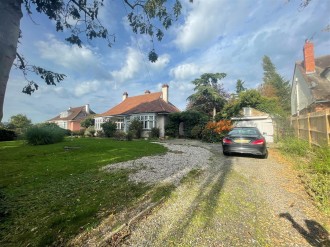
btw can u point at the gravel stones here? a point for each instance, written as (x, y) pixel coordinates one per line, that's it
(167, 168)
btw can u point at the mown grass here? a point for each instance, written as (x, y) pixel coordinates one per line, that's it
(314, 162)
(50, 193)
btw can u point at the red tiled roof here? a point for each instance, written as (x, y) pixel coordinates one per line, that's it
(75, 113)
(151, 102)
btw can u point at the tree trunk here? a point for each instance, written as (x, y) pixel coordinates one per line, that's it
(214, 113)
(10, 16)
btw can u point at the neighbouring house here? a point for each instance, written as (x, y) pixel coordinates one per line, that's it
(310, 83)
(151, 109)
(250, 117)
(71, 118)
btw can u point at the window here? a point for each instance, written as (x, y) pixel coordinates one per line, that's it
(148, 120)
(62, 124)
(120, 124)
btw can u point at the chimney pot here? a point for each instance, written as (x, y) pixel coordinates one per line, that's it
(309, 61)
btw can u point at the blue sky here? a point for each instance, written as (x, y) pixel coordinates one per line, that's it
(229, 36)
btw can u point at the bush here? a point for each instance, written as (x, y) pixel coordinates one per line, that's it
(154, 133)
(136, 127)
(208, 135)
(99, 133)
(189, 119)
(215, 131)
(90, 131)
(44, 135)
(129, 136)
(196, 132)
(295, 146)
(109, 128)
(120, 135)
(7, 135)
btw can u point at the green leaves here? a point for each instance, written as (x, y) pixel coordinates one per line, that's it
(209, 93)
(153, 56)
(281, 86)
(145, 19)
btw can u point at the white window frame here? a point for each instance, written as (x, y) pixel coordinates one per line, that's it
(148, 120)
(120, 124)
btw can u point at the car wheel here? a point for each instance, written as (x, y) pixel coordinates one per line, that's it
(265, 156)
(225, 153)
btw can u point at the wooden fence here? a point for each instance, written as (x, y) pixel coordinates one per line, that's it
(313, 127)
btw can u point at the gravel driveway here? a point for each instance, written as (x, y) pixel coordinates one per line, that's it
(235, 201)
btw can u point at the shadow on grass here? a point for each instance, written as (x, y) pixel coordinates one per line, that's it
(206, 201)
(315, 234)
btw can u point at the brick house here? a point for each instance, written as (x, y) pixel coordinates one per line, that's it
(151, 109)
(71, 118)
(310, 83)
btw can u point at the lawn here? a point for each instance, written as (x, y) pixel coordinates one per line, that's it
(50, 193)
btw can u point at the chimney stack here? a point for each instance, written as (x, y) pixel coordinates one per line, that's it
(147, 92)
(165, 92)
(309, 62)
(125, 95)
(87, 109)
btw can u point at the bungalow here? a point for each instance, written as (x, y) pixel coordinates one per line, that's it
(71, 118)
(310, 83)
(151, 109)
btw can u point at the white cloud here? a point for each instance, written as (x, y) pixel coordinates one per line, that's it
(87, 87)
(133, 63)
(185, 71)
(208, 21)
(161, 62)
(65, 55)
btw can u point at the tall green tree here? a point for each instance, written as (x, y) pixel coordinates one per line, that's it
(240, 86)
(209, 96)
(145, 17)
(274, 79)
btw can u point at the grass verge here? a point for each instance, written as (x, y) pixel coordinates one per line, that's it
(314, 162)
(50, 193)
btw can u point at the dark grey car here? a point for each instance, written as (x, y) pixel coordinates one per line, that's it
(245, 140)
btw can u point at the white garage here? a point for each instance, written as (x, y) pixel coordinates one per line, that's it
(254, 118)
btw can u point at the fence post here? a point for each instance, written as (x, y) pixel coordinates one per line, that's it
(309, 130)
(298, 132)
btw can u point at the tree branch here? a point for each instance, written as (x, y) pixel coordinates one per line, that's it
(21, 59)
(81, 8)
(132, 6)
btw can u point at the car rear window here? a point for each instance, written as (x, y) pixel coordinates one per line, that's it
(244, 131)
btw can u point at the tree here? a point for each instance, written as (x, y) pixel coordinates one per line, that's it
(20, 121)
(249, 98)
(144, 18)
(209, 96)
(87, 122)
(275, 80)
(240, 86)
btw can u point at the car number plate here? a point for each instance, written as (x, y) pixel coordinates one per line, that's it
(242, 141)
